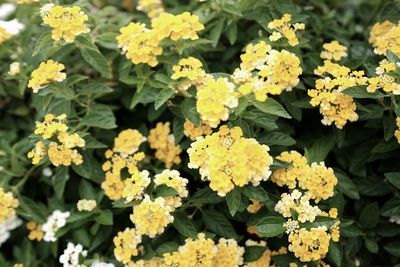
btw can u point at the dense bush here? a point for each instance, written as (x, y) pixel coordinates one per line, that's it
(199, 133)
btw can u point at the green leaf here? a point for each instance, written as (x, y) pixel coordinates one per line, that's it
(205, 196)
(261, 119)
(277, 139)
(216, 222)
(346, 185)
(233, 199)
(394, 178)
(335, 253)
(97, 89)
(361, 92)
(99, 116)
(320, 149)
(92, 55)
(273, 107)
(163, 97)
(391, 207)
(369, 216)
(188, 107)
(86, 190)
(32, 210)
(167, 247)
(216, 31)
(165, 191)
(371, 245)
(320, 221)
(270, 226)
(255, 192)
(59, 180)
(105, 217)
(253, 253)
(184, 225)
(144, 96)
(44, 43)
(393, 248)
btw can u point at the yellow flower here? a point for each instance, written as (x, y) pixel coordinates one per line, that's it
(135, 185)
(384, 80)
(86, 204)
(15, 69)
(255, 206)
(151, 217)
(229, 254)
(126, 245)
(309, 245)
(47, 72)
(385, 36)
(227, 159)
(37, 153)
(4, 35)
(190, 68)
(26, 1)
(113, 186)
(128, 141)
(8, 204)
(172, 178)
(153, 8)
(192, 131)
(177, 27)
(163, 142)
(66, 22)
(397, 132)
(214, 99)
(333, 51)
(289, 176)
(35, 231)
(285, 29)
(198, 252)
(255, 56)
(153, 262)
(59, 154)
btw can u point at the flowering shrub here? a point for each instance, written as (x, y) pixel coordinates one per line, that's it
(199, 133)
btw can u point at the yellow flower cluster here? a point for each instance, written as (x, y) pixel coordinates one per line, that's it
(397, 132)
(47, 72)
(4, 35)
(333, 51)
(214, 99)
(227, 159)
(66, 22)
(8, 204)
(203, 252)
(124, 155)
(61, 150)
(153, 8)
(35, 231)
(86, 204)
(172, 178)
(333, 104)
(265, 71)
(189, 68)
(163, 142)
(283, 28)
(135, 185)
(385, 36)
(126, 245)
(318, 180)
(308, 245)
(151, 216)
(255, 206)
(142, 45)
(384, 80)
(192, 131)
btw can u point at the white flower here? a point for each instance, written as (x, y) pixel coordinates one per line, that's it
(47, 172)
(54, 222)
(15, 69)
(45, 10)
(70, 257)
(86, 204)
(101, 264)
(13, 27)
(8, 225)
(6, 10)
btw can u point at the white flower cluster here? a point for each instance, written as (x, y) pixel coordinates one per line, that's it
(101, 264)
(54, 222)
(299, 203)
(8, 225)
(86, 204)
(395, 219)
(70, 257)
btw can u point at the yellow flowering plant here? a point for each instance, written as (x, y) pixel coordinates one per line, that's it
(189, 133)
